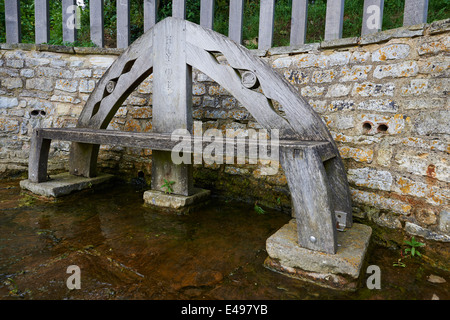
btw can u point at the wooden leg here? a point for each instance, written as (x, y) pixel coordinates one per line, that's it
(37, 164)
(311, 199)
(83, 159)
(337, 177)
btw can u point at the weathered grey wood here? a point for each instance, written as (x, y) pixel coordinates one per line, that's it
(207, 13)
(172, 102)
(299, 22)
(312, 199)
(125, 74)
(372, 16)
(69, 20)
(164, 141)
(337, 177)
(334, 20)
(37, 164)
(42, 21)
(150, 14)
(179, 9)
(12, 21)
(236, 20)
(97, 22)
(415, 12)
(177, 45)
(123, 24)
(266, 23)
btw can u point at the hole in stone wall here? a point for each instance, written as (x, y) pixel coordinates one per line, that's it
(382, 128)
(367, 126)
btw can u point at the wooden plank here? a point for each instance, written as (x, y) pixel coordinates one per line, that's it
(164, 141)
(123, 23)
(179, 9)
(334, 20)
(69, 14)
(12, 21)
(266, 23)
(236, 20)
(37, 163)
(42, 21)
(312, 200)
(207, 13)
(372, 16)
(299, 22)
(150, 14)
(172, 101)
(415, 12)
(97, 22)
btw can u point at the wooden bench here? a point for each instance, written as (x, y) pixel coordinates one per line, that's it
(314, 170)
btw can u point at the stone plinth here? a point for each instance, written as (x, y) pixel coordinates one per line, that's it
(160, 199)
(337, 271)
(63, 184)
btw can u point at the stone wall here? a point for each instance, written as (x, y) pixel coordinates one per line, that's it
(384, 97)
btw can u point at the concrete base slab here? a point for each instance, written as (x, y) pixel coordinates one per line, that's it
(174, 201)
(63, 184)
(337, 271)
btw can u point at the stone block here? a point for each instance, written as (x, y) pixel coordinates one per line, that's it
(391, 52)
(337, 271)
(354, 73)
(64, 184)
(160, 199)
(398, 70)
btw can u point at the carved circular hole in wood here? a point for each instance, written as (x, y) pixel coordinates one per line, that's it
(249, 80)
(110, 86)
(383, 128)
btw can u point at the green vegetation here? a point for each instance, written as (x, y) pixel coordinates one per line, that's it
(413, 245)
(392, 18)
(168, 186)
(258, 209)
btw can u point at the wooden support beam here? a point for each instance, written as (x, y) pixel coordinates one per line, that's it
(172, 102)
(150, 14)
(416, 12)
(334, 20)
(266, 23)
(37, 164)
(123, 24)
(97, 22)
(312, 200)
(42, 21)
(69, 20)
(372, 16)
(236, 20)
(298, 22)
(12, 17)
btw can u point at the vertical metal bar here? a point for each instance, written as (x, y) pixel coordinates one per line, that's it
(12, 17)
(372, 16)
(179, 9)
(207, 13)
(96, 22)
(123, 23)
(150, 14)
(42, 21)
(236, 20)
(298, 22)
(266, 23)
(415, 12)
(334, 19)
(69, 15)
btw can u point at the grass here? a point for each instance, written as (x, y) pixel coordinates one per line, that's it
(392, 18)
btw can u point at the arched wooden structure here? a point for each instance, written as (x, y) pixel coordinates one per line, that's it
(315, 174)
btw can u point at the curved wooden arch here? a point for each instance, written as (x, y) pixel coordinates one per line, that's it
(199, 49)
